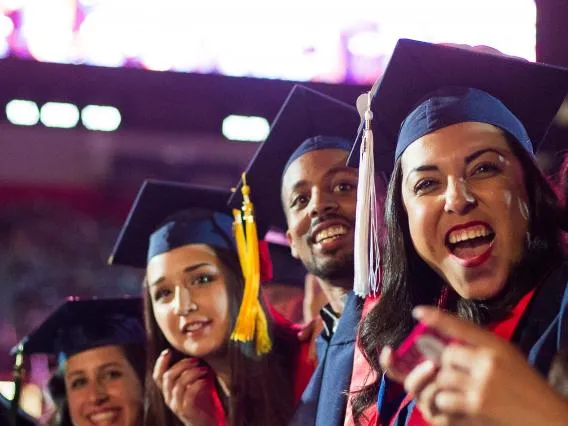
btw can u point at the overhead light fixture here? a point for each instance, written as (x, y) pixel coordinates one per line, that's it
(22, 113)
(101, 118)
(59, 114)
(245, 128)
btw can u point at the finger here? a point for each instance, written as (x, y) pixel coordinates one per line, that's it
(306, 331)
(386, 360)
(192, 391)
(459, 356)
(187, 378)
(451, 402)
(454, 327)
(449, 378)
(170, 377)
(420, 377)
(312, 351)
(161, 366)
(426, 401)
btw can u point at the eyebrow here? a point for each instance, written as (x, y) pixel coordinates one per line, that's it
(100, 367)
(479, 153)
(467, 160)
(185, 271)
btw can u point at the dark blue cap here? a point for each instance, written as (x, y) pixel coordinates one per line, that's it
(286, 269)
(167, 215)
(79, 325)
(307, 121)
(426, 87)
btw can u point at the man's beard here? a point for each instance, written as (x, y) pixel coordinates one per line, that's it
(333, 269)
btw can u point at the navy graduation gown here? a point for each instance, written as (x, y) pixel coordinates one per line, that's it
(324, 401)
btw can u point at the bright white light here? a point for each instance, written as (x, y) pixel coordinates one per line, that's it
(7, 390)
(101, 118)
(246, 129)
(57, 114)
(22, 113)
(6, 26)
(370, 44)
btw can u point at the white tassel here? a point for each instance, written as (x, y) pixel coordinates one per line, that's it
(366, 253)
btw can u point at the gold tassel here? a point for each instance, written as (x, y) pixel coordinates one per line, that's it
(251, 324)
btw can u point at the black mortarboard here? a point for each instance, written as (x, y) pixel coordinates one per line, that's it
(286, 269)
(426, 87)
(166, 215)
(307, 121)
(78, 325)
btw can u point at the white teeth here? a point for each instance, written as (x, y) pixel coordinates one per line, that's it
(468, 234)
(101, 417)
(194, 326)
(333, 231)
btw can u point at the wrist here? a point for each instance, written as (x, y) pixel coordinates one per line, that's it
(553, 413)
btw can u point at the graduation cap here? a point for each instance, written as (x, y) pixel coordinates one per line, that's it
(158, 222)
(82, 324)
(307, 121)
(426, 87)
(76, 326)
(286, 269)
(167, 215)
(434, 83)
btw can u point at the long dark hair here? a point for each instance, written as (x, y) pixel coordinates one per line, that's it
(135, 355)
(408, 281)
(262, 388)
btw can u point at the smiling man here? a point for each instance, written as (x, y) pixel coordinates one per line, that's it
(301, 166)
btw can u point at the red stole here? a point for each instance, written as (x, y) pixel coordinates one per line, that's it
(362, 374)
(505, 329)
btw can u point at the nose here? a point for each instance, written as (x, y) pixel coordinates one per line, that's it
(458, 199)
(98, 393)
(182, 300)
(322, 203)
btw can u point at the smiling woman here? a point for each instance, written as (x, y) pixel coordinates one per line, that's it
(99, 345)
(203, 369)
(473, 228)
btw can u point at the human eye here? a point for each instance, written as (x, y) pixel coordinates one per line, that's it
(425, 185)
(343, 187)
(299, 201)
(78, 383)
(112, 374)
(203, 279)
(486, 169)
(161, 293)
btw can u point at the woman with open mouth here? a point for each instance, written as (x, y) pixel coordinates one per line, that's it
(217, 355)
(475, 231)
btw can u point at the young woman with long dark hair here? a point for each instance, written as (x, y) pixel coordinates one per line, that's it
(474, 230)
(198, 373)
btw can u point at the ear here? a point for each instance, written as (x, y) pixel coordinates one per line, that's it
(291, 243)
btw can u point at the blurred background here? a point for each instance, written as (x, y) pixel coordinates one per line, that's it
(98, 95)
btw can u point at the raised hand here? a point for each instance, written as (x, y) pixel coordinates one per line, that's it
(484, 381)
(189, 391)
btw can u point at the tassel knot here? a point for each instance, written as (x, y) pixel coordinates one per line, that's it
(251, 324)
